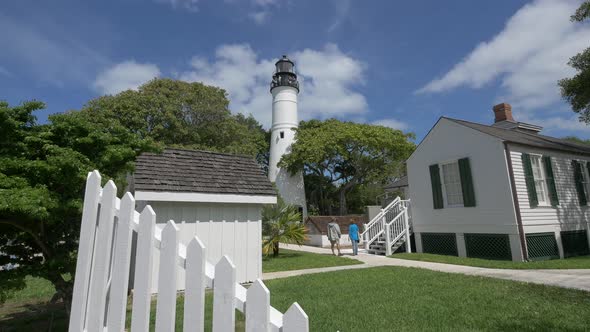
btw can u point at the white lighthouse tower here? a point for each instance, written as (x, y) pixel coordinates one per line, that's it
(284, 89)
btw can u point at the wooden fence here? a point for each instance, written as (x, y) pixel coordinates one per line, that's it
(99, 301)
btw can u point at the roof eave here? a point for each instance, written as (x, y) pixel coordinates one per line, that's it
(163, 196)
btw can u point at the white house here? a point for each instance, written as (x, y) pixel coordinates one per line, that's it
(213, 195)
(500, 191)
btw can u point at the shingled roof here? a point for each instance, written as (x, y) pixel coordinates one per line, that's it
(525, 138)
(193, 171)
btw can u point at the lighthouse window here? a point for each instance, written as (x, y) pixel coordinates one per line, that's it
(282, 134)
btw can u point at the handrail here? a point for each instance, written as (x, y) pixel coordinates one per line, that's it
(397, 217)
(380, 215)
(393, 221)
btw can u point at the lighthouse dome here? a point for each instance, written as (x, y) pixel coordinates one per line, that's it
(284, 74)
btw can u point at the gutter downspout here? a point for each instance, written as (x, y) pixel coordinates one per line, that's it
(523, 247)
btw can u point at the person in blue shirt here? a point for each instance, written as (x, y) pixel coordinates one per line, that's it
(353, 235)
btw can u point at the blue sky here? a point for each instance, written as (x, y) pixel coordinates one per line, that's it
(398, 63)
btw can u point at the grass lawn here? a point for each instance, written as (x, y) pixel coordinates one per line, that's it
(386, 298)
(299, 260)
(393, 298)
(580, 262)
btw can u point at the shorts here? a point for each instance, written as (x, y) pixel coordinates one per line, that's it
(336, 241)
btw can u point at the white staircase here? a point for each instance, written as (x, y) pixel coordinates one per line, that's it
(390, 229)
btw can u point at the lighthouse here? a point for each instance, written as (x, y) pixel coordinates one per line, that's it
(284, 89)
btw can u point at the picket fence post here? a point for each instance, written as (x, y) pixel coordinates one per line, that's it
(99, 301)
(194, 293)
(120, 276)
(101, 260)
(295, 319)
(258, 307)
(85, 246)
(166, 307)
(140, 316)
(224, 293)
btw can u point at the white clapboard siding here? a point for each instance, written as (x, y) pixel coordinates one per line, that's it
(101, 282)
(231, 230)
(569, 213)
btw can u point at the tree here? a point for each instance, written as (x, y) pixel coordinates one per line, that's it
(177, 113)
(348, 154)
(281, 222)
(43, 169)
(576, 90)
(577, 140)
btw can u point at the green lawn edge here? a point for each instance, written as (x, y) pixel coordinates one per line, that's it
(290, 260)
(580, 262)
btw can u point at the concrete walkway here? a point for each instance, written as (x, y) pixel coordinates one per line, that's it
(578, 279)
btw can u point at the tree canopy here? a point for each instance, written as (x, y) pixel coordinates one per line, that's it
(576, 90)
(347, 154)
(178, 113)
(43, 169)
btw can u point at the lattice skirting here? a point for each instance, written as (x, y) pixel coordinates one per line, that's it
(575, 243)
(439, 243)
(488, 246)
(402, 248)
(542, 246)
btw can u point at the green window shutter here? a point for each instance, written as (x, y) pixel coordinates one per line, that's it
(466, 183)
(550, 181)
(530, 180)
(437, 196)
(579, 180)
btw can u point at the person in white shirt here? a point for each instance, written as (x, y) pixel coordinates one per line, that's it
(334, 235)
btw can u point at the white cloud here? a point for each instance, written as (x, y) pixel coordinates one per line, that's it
(341, 10)
(528, 57)
(190, 5)
(261, 11)
(391, 123)
(259, 17)
(327, 78)
(124, 76)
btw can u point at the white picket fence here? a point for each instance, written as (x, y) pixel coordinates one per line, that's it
(99, 302)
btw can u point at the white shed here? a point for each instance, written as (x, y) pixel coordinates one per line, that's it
(500, 191)
(215, 196)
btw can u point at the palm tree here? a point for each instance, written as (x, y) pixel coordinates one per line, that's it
(281, 222)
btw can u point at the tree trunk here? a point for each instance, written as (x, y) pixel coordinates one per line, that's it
(342, 202)
(343, 190)
(64, 290)
(275, 249)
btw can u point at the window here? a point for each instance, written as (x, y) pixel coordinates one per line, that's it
(585, 179)
(540, 181)
(451, 180)
(282, 134)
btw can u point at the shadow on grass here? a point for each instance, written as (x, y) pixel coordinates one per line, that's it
(39, 316)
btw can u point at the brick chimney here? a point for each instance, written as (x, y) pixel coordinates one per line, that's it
(503, 112)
